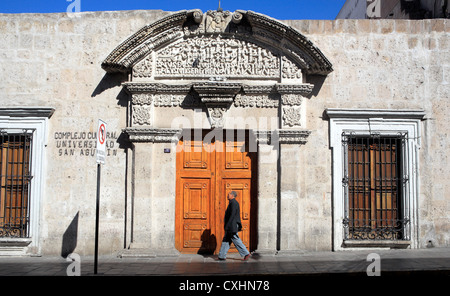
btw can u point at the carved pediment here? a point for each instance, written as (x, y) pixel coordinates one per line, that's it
(201, 39)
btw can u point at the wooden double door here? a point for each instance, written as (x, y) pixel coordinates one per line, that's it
(208, 168)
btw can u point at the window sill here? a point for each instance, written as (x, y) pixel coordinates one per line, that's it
(395, 244)
(15, 242)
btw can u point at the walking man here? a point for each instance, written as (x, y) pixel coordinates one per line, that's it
(232, 226)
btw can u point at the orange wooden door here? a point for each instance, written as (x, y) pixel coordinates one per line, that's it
(195, 185)
(234, 173)
(206, 172)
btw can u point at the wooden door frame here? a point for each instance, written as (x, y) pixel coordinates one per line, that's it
(215, 220)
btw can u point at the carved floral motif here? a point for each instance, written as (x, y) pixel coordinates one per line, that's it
(291, 117)
(141, 115)
(142, 99)
(260, 101)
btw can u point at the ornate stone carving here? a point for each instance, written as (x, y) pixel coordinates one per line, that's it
(154, 135)
(145, 87)
(291, 99)
(176, 100)
(263, 136)
(241, 25)
(143, 68)
(210, 57)
(259, 101)
(292, 136)
(291, 117)
(217, 96)
(141, 115)
(216, 116)
(217, 21)
(290, 70)
(303, 89)
(142, 99)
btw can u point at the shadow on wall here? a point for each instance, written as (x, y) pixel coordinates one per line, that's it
(109, 81)
(70, 236)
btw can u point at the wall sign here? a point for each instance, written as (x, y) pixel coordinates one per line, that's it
(101, 141)
(84, 144)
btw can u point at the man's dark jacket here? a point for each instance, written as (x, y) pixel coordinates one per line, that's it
(233, 217)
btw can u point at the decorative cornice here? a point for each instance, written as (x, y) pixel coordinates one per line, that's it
(292, 136)
(217, 97)
(115, 60)
(375, 113)
(216, 92)
(263, 136)
(302, 89)
(27, 111)
(153, 135)
(146, 87)
(258, 89)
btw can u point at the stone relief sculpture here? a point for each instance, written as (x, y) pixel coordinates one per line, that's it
(218, 60)
(209, 57)
(141, 115)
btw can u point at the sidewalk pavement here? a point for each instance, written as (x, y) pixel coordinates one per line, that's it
(435, 261)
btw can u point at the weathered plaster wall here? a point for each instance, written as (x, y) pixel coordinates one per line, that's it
(391, 64)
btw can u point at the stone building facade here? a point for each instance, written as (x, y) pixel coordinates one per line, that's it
(333, 133)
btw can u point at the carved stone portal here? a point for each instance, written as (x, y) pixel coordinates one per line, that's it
(216, 60)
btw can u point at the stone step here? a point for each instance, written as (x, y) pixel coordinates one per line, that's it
(147, 253)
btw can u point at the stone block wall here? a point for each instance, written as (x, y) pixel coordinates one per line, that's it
(54, 60)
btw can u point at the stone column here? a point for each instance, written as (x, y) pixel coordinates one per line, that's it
(154, 205)
(267, 194)
(141, 201)
(290, 174)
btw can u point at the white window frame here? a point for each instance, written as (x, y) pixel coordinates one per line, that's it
(368, 121)
(35, 120)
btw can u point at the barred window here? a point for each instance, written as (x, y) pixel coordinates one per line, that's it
(15, 168)
(374, 180)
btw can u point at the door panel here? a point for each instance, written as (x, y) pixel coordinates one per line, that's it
(206, 173)
(195, 199)
(242, 188)
(195, 157)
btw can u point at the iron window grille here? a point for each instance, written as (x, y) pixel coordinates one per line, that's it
(375, 182)
(15, 179)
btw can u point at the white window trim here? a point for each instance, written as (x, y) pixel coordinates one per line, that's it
(385, 122)
(29, 118)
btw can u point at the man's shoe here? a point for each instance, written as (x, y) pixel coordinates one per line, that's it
(221, 259)
(246, 257)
